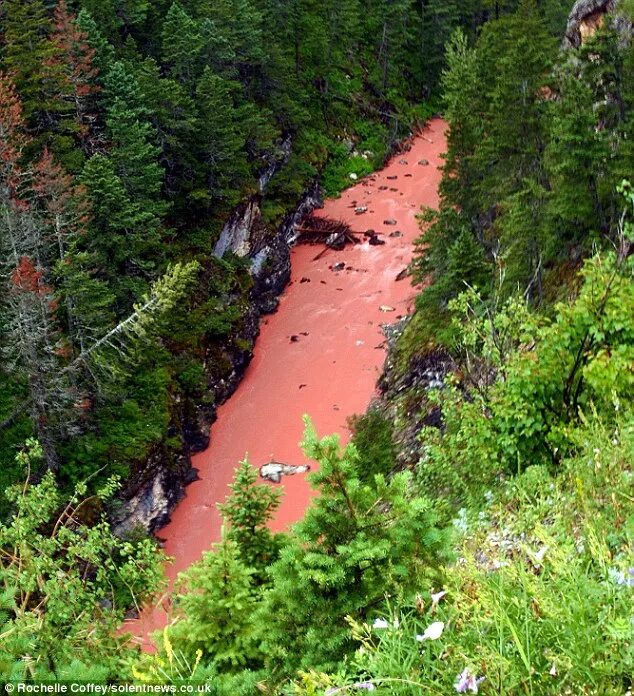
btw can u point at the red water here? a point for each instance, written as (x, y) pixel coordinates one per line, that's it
(329, 371)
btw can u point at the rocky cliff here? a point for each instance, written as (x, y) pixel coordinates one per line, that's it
(587, 16)
(158, 484)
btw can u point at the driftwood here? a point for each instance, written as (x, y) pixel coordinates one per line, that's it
(335, 234)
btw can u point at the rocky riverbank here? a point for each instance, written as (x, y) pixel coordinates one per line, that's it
(158, 484)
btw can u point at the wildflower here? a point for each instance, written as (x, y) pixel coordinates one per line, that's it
(380, 623)
(553, 670)
(466, 681)
(620, 578)
(436, 597)
(432, 632)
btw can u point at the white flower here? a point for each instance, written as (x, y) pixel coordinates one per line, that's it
(553, 670)
(539, 555)
(432, 632)
(436, 597)
(380, 623)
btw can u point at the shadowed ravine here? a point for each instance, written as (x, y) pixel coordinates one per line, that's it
(329, 369)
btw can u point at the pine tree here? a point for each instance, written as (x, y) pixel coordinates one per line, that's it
(357, 544)
(122, 235)
(248, 510)
(182, 44)
(221, 138)
(133, 151)
(173, 115)
(30, 57)
(114, 16)
(75, 58)
(104, 55)
(217, 603)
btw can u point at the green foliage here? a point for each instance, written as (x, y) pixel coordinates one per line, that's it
(541, 602)
(248, 510)
(357, 544)
(218, 602)
(372, 434)
(66, 580)
(536, 147)
(576, 362)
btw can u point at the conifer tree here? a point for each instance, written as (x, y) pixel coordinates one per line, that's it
(248, 510)
(122, 235)
(133, 151)
(104, 55)
(222, 138)
(29, 56)
(182, 44)
(75, 58)
(217, 603)
(31, 330)
(357, 544)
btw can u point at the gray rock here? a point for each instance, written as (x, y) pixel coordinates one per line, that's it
(273, 471)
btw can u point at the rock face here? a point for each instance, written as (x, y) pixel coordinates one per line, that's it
(157, 485)
(587, 16)
(403, 394)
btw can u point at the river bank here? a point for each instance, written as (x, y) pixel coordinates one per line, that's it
(320, 354)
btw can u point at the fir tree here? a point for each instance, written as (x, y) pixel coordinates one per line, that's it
(30, 57)
(248, 510)
(217, 603)
(121, 234)
(221, 138)
(357, 544)
(133, 151)
(182, 44)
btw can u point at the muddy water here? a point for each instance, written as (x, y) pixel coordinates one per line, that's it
(320, 354)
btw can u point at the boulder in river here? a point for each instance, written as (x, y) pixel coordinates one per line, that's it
(336, 240)
(273, 471)
(390, 221)
(423, 162)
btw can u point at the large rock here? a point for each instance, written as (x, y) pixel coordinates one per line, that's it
(587, 16)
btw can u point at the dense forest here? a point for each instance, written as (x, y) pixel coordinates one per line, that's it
(472, 538)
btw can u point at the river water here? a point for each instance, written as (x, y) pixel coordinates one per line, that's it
(320, 354)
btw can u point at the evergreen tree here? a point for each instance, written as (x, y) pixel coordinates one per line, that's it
(123, 236)
(133, 151)
(221, 138)
(357, 544)
(248, 510)
(217, 603)
(75, 58)
(104, 55)
(182, 44)
(29, 57)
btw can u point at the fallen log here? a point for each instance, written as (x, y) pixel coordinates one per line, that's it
(335, 234)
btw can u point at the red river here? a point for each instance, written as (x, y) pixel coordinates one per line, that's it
(329, 370)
